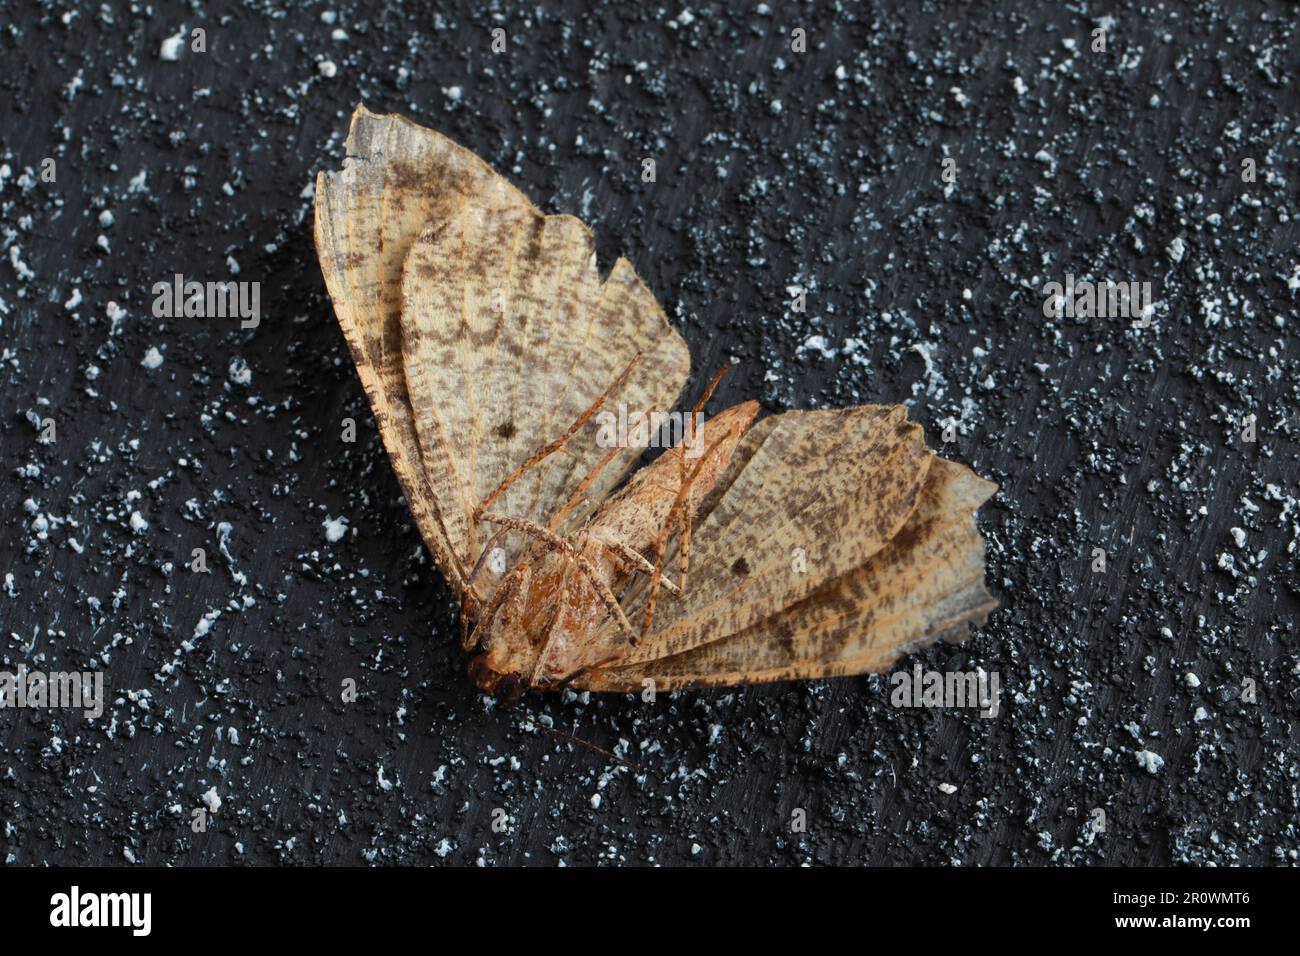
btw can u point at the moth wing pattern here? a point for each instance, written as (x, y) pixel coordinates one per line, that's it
(510, 335)
(397, 179)
(865, 548)
(481, 329)
(833, 542)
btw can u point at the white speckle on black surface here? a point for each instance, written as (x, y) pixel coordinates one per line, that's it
(173, 46)
(822, 175)
(1150, 761)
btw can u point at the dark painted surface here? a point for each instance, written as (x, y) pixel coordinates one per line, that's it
(775, 169)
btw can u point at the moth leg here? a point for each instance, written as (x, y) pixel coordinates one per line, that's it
(556, 543)
(662, 542)
(609, 599)
(586, 483)
(559, 517)
(516, 583)
(559, 443)
(638, 562)
(471, 601)
(492, 542)
(689, 436)
(586, 669)
(581, 490)
(561, 604)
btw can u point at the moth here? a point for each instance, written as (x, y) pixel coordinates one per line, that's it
(807, 544)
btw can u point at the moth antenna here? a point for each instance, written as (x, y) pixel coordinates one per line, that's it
(552, 447)
(588, 744)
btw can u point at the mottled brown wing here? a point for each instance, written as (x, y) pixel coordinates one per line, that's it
(491, 385)
(397, 180)
(759, 610)
(509, 335)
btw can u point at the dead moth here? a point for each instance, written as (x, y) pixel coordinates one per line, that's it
(803, 545)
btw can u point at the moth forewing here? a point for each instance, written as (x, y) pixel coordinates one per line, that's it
(509, 335)
(397, 180)
(822, 493)
(927, 584)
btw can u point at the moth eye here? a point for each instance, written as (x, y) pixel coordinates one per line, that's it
(509, 689)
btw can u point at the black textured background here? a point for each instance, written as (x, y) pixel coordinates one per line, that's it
(775, 169)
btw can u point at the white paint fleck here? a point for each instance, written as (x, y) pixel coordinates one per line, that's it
(816, 343)
(239, 372)
(335, 529)
(1150, 761)
(172, 46)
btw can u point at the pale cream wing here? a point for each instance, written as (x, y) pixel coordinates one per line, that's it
(509, 335)
(398, 179)
(927, 584)
(810, 496)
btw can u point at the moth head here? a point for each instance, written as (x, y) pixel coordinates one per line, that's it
(524, 637)
(506, 688)
(501, 659)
